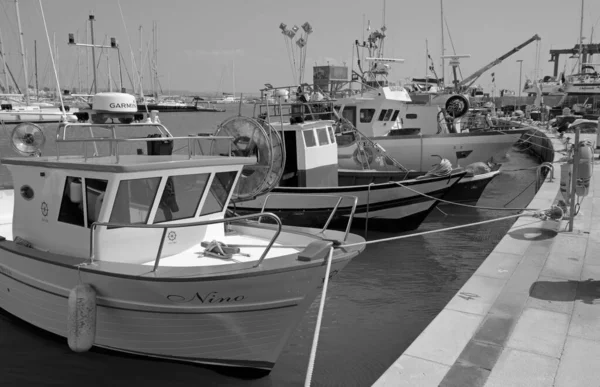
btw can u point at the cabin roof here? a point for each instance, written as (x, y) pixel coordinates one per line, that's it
(127, 163)
(302, 125)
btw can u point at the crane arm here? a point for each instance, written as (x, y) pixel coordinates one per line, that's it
(473, 77)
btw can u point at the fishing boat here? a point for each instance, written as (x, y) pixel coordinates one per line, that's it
(133, 252)
(311, 168)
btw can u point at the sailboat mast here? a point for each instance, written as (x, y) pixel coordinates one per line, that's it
(155, 59)
(37, 88)
(7, 88)
(93, 53)
(581, 40)
(426, 63)
(443, 51)
(141, 71)
(78, 66)
(233, 71)
(22, 53)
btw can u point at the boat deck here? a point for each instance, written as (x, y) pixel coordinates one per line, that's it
(195, 256)
(529, 316)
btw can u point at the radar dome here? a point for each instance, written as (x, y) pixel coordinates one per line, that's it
(114, 103)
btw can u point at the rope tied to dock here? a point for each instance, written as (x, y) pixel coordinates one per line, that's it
(315, 343)
(554, 213)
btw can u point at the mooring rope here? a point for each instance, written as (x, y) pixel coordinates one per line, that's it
(313, 349)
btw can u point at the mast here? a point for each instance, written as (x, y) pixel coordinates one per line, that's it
(22, 53)
(426, 63)
(443, 51)
(7, 88)
(581, 40)
(141, 71)
(87, 59)
(155, 64)
(93, 53)
(233, 71)
(78, 66)
(37, 88)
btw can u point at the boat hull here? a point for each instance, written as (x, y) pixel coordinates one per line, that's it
(420, 153)
(385, 206)
(467, 191)
(237, 319)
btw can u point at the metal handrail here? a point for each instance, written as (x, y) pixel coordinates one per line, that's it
(181, 225)
(335, 208)
(114, 141)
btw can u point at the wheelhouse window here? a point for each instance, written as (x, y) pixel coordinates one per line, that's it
(322, 136)
(331, 134)
(309, 138)
(411, 116)
(134, 200)
(218, 193)
(71, 205)
(94, 197)
(382, 114)
(388, 115)
(181, 197)
(366, 115)
(395, 116)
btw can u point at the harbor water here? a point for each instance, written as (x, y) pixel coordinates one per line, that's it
(374, 309)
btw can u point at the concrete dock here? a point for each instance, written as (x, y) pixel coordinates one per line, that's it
(530, 314)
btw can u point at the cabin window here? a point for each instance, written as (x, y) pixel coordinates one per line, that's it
(331, 134)
(94, 196)
(395, 116)
(411, 116)
(181, 197)
(134, 200)
(309, 138)
(219, 192)
(366, 115)
(322, 136)
(71, 206)
(382, 114)
(388, 115)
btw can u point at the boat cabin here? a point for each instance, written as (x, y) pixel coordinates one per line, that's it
(58, 198)
(309, 138)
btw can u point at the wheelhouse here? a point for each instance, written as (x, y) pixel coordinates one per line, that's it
(58, 198)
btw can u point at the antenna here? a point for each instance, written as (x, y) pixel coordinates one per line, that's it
(113, 44)
(455, 62)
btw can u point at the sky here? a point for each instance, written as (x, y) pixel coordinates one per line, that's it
(222, 45)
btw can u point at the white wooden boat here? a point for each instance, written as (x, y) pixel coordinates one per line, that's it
(311, 182)
(133, 253)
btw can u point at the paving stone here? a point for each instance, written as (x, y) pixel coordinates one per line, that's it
(553, 294)
(445, 338)
(477, 295)
(579, 364)
(410, 372)
(499, 265)
(522, 369)
(540, 331)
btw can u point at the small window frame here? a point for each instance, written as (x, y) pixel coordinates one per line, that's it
(323, 140)
(368, 118)
(312, 136)
(382, 114)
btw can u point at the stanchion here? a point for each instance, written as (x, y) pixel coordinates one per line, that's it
(574, 172)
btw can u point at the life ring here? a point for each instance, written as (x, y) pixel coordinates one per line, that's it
(584, 170)
(363, 156)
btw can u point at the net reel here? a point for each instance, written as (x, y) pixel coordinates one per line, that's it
(252, 137)
(27, 139)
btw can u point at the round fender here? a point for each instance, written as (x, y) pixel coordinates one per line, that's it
(584, 168)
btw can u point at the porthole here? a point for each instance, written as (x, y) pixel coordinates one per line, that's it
(27, 192)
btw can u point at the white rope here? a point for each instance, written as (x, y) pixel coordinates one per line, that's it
(394, 238)
(465, 205)
(313, 350)
(64, 113)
